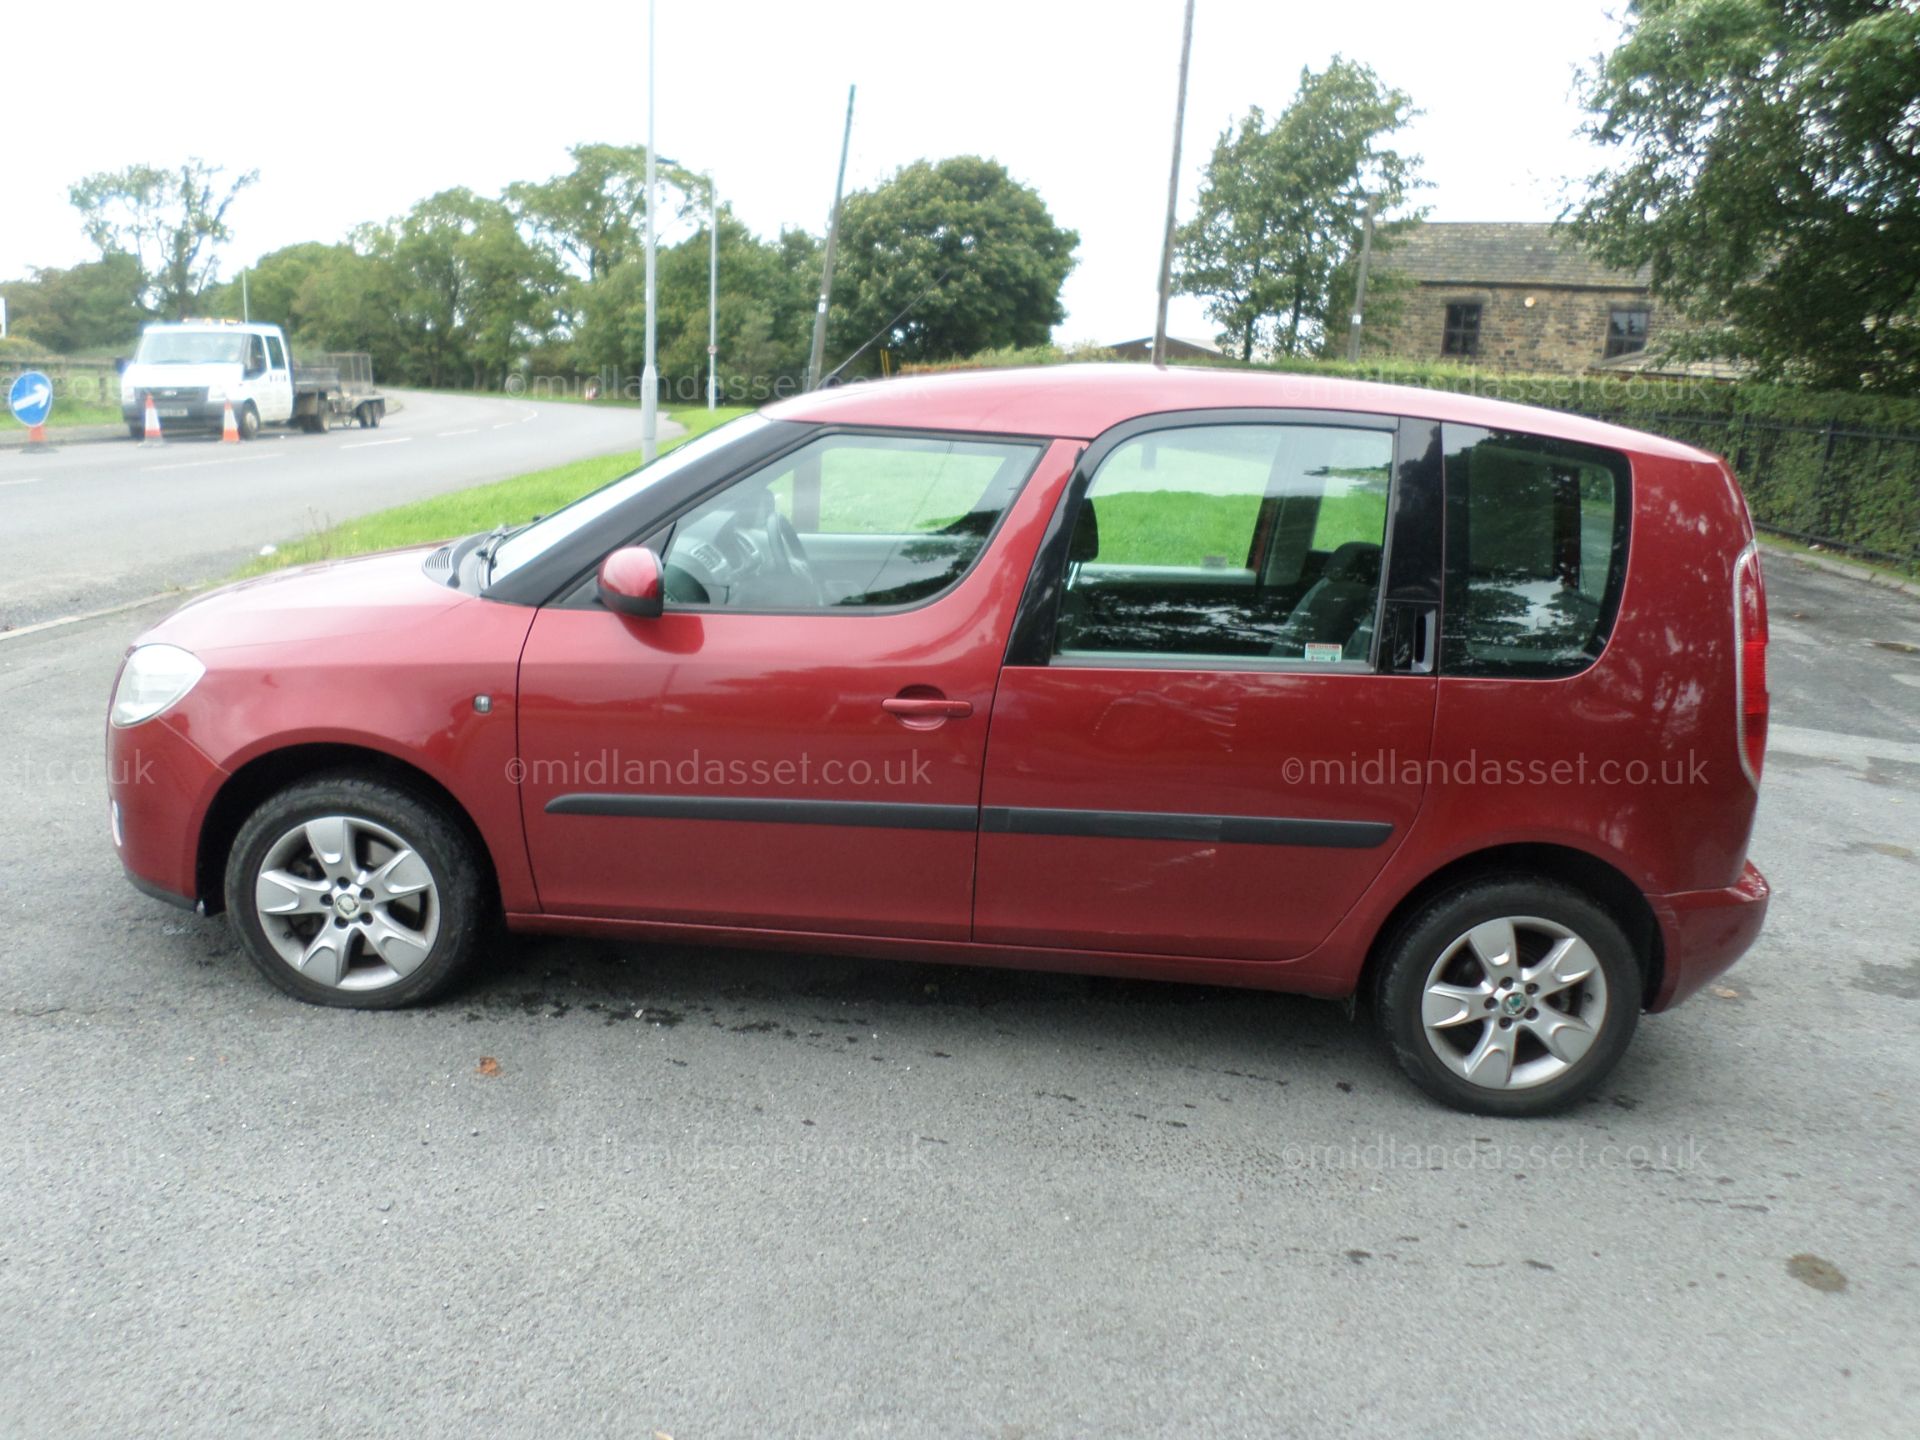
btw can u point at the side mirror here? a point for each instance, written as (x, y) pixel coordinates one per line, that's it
(630, 582)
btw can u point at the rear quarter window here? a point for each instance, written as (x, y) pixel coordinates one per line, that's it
(1536, 549)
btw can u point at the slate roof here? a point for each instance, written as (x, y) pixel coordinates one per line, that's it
(1501, 253)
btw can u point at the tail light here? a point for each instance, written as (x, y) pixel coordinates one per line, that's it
(1750, 674)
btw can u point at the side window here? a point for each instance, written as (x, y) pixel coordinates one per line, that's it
(1536, 552)
(847, 521)
(276, 353)
(256, 355)
(1254, 541)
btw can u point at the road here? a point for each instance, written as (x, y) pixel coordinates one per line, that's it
(194, 509)
(722, 1194)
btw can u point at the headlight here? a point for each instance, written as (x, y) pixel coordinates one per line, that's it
(216, 392)
(155, 677)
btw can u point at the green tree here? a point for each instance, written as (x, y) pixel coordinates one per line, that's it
(594, 217)
(1768, 171)
(766, 302)
(172, 221)
(1281, 208)
(975, 254)
(469, 292)
(91, 306)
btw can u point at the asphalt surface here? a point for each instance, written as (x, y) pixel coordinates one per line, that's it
(720, 1194)
(194, 509)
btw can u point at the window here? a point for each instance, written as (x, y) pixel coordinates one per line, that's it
(847, 521)
(1462, 333)
(1626, 331)
(256, 355)
(1255, 541)
(275, 351)
(1536, 550)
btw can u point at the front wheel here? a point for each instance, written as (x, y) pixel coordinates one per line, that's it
(352, 892)
(247, 422)
(1509, 996)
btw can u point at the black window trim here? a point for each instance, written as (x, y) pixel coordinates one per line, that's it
(1030, 643)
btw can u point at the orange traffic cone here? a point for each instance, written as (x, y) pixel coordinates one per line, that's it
(229, 432)
(152, 437)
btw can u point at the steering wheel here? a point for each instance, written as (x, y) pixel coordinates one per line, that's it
(790, 555)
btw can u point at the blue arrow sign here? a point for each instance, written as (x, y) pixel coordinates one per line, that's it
(31, 399)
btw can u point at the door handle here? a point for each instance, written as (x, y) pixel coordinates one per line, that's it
(918, 707)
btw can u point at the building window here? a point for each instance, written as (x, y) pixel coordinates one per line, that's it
(1626, 331)
(1462, 335)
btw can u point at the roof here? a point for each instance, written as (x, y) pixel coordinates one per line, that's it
(1502, 253)
(1078, 402)
(1192, 342)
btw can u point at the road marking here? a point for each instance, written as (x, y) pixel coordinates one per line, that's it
(505, 423)
(1839, 748)
(365, 444)
(449, 434)
(30, 480)
(198, 464)
(35, 629)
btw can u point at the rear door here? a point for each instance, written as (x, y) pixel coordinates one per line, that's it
(1215, 721)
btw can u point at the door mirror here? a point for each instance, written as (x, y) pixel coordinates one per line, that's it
(630, 582)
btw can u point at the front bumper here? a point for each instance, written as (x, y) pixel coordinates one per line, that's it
(1705, 931)
(160, 787)
(188, 414)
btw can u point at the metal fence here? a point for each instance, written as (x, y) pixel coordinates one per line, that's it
(1852, 490)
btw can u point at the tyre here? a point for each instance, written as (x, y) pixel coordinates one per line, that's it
(364, 415)
(247, 422)
(354, 892)
(137, 432)
(1509, 996)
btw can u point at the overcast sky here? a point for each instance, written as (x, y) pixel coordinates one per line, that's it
(1076, 99)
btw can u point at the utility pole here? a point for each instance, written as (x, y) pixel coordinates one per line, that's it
(1173, 196)
(246, 313)
(713, 296)
(818, 355)
(1360, 283)
(650, 374)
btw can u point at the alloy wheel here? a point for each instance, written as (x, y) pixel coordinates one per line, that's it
(1514, 1002)
(347, 903)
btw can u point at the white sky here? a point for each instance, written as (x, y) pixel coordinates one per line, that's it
(1076, 99)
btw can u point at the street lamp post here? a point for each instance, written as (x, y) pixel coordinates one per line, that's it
(713, 297)
(650, 374)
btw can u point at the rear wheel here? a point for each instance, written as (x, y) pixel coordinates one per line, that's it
(1509, 996)
(322, 419)
(353, 892)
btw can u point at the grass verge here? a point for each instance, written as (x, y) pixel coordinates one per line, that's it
(67, 414)
(442, 517)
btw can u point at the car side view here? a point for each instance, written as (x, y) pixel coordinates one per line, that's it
(1349, 690)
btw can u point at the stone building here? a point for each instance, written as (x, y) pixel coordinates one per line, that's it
(1515, 296)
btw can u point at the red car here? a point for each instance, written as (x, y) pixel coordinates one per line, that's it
(1210, 676)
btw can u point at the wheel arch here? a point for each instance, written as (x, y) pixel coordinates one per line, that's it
(1601, 882)
(244, 790)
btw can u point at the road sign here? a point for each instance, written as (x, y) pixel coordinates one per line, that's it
(31, 399)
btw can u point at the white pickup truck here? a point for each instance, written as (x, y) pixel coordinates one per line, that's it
(193, 369)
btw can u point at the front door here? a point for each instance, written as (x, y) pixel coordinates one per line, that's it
(797, 743)
(1214, 725)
